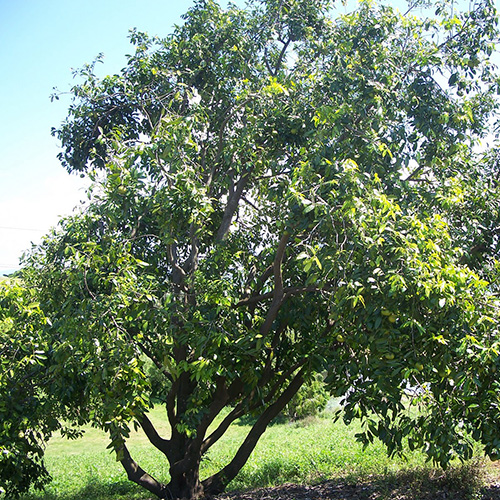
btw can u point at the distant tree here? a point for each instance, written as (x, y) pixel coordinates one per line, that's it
(276, 193)
(310, 400)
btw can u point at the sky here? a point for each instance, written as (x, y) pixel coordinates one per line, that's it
(41, 42)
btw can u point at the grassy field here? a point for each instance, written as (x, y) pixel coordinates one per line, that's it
(304, 452)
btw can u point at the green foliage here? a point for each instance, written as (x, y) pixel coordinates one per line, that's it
(310, 400)
(159, 386)
(277, 193)
(27, 415)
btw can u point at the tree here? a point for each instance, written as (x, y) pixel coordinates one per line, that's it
(311, 399)
(277, 193)
(29, 415)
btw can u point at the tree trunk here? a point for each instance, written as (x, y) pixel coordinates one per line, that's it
(218, 482)
(185, 460)
(185, 484)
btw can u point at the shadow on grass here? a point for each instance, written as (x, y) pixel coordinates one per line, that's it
(96, 491)
(251, 419)
(463, 482)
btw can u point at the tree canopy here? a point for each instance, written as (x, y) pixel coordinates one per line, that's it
(276, 191)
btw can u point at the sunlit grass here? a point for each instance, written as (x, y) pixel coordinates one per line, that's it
(304, 452)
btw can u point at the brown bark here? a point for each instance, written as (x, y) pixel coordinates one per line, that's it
(139, 476)
(185, 483)
(154, 438)
(218, 482)
(193, 447)
(278, 286)
(185, 454)
(222, 428)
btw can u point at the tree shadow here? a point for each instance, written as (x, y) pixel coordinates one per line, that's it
(95, 490)
(463, 482)
(251, 419)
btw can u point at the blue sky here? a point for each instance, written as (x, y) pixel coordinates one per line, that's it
(42, 40)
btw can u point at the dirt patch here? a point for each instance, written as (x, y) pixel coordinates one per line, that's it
(475, 483)
(332, 490)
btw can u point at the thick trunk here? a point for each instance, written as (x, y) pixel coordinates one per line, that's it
(185, 459)
(185, 484)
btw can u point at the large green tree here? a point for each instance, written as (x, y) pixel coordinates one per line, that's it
(276, 192)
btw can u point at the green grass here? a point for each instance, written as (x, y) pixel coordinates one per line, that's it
(305, 452)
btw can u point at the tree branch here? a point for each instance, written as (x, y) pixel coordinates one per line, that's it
(281, 380)
(218, 482)
(155, 360)
(237, 412)
(139, 476)
(232, 205)
(267, 372)
(412, 175)
(222, 127)
(278, 285)
(192, 262)
(287, 292)
(170, 404)
(154, 438)
(178, 273)
(263, 278)
(278, 260)
(280, 58)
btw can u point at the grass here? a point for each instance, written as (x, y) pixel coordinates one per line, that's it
(304, 452)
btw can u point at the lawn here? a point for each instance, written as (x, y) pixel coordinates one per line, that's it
(305, 452)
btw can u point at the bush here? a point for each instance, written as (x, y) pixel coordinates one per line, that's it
(310, 400)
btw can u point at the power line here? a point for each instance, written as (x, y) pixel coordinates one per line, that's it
(22, 229)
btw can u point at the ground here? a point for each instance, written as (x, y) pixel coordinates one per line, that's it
(332, 490)
(481, 483)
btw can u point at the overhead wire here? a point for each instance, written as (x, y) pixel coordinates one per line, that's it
(22, 229)
(13, 228)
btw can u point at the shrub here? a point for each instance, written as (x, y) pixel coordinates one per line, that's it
(310, 400)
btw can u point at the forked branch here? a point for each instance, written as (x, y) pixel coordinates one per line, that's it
(217, 483)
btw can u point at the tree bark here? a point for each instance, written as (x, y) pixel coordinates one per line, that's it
(154, 438)
(139, 476)
(232, 205)
(218, 482)
(185, 458)
(185, 484)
